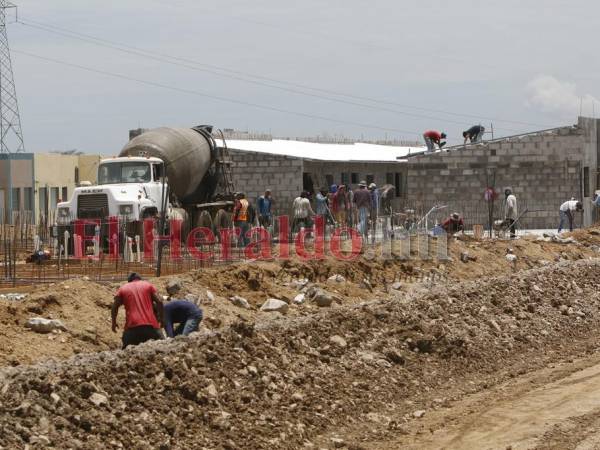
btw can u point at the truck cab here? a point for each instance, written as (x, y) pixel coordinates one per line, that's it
(128, 187)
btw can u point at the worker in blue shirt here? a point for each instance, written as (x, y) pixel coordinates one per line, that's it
(185, 314)
(265, 216)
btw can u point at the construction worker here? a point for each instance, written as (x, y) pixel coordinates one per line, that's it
(510, 211)
(566, 211)
(474, 134)
(362, 200)
(375, 205)
(265, 216)
(302, 211)
(433, 138)
(340, 205)
(141, 323)
(241, 218)
(453, 224)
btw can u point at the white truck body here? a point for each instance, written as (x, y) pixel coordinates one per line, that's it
(130, 188)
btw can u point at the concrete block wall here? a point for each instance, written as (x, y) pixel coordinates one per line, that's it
(253, 172)
(544, 170)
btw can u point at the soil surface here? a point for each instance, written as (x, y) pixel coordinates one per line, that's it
(488, 354)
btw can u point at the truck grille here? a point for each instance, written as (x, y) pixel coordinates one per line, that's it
(92, 206)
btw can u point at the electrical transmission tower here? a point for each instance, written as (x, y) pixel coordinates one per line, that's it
(11, 136)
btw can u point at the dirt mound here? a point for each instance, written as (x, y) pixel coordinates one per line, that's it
(84, 308)
(285, 383)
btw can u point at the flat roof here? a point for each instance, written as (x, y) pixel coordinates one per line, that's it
(325, 152)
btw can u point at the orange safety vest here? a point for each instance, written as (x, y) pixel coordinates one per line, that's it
(242, 212)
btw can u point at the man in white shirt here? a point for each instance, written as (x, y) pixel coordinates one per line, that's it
(566, 211)
(510, 211)
(302, 211)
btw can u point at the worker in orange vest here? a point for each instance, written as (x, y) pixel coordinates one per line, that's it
(241, 218)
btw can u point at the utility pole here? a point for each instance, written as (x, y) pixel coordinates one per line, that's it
(11, 135)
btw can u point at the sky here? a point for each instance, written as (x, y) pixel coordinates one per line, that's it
(364, 70)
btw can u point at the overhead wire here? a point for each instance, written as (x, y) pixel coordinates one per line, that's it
(241, 76)
(214, 97)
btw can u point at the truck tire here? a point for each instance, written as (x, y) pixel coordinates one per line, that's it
(223, 220)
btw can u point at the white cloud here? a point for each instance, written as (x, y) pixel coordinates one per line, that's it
(551, 95)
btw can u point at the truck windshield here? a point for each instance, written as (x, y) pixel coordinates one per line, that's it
(124, 172)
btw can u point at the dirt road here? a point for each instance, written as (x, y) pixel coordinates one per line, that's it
(555, 408)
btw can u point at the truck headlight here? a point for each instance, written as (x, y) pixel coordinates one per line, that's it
(126, 210)
(64, 213)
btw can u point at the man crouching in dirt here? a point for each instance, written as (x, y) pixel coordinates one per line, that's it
(139, 298)
(182, 312)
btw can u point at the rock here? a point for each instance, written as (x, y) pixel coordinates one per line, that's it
(418, 414)
(531, 307)
(339, 341)
(299, 298)
(275, 305)
(210, 296)
(297, 396)
(55, 397)
(338, 442)
(240, 302)
(395, 357)
(465, 257)
(322, 298)
(336, 279)
(563, 309)
(299, 284)
(366, 284)
(41, 325)
(98, 399)
(252, 370)
(211, 390)
(174, 285)
(495, 325)
(39, 440)
(396, 286)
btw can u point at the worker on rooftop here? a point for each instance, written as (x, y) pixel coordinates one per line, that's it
(433, 138)
(566, 211)
(474, 134)
(141, 323)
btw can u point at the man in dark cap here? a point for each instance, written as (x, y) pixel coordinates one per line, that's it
(139, 299)
(474, 134)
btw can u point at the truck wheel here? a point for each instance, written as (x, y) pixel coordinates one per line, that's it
(223, 220)
(204, 220)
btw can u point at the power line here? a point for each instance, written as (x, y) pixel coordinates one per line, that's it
(237, 75)
(214, 97)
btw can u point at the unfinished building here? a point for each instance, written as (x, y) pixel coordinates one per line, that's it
(544, 169)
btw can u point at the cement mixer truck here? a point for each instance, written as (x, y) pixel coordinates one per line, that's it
(179, 172)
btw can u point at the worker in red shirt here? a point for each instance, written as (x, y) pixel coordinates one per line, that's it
(139, 298)
(453, 224)
(433, 138)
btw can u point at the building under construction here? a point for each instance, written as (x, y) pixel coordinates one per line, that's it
(544, 169)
